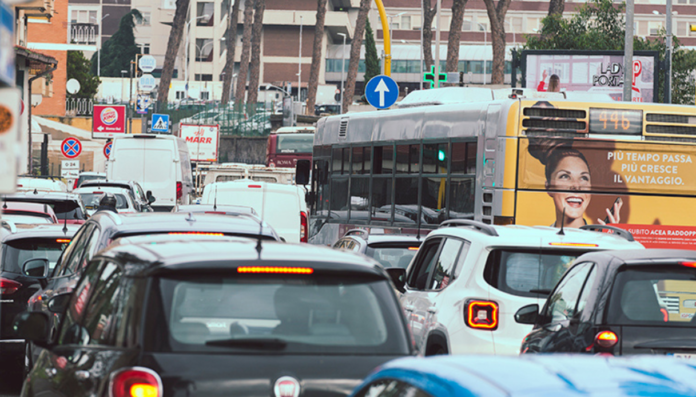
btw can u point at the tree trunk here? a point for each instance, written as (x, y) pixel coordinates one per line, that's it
(454, 35)
(556, 7)
(246, 48)
(316, 56)
(172, 49)
(255, 70)
(349, 89)
(496, 16)
(231, 47)
(428, 16)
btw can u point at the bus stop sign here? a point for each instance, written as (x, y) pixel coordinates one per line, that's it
(381, 91)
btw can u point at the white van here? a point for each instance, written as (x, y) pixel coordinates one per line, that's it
(281, 206)
(256, 172)
(160, 163)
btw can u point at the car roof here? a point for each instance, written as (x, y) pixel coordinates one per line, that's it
(110, 189)
(171, 253)
(644, 256)
(379, 238)
(42, 231)
(539, 236)
(39, 195)
(198, 208)
(106, 183)
(27, 207)
(166, 222)
(543, 375)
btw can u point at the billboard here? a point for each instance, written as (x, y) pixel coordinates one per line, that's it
(202, 140)
(645, 188)
(595, 71)
(108, 121)
(10, 104)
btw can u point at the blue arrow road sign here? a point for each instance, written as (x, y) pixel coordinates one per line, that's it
(160, 123)
(381, 91)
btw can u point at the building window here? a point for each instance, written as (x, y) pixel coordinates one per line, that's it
(145, 21)
(180, 95)
(205, 95)
(144, 49)
(394, 26)
(688, 29)
(203, 77)
(169, 4)
(205, 13)
(83, 16)
(204, 50)
(406, 22)
(655, 28)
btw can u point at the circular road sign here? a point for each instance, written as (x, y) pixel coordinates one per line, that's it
(147, 63)
(71, 147)
(107, 150)
(381, 91)
(72, 86)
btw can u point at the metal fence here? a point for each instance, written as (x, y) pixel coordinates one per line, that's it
(79, 106)
(233, 120)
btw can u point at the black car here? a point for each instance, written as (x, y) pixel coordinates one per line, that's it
(620, 303)
(391, 250)
(26, 243)
(143, 198)
(183, 316)
(104, 227)
(67, 206)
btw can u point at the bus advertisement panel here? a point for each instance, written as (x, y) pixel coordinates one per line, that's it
(644, 187)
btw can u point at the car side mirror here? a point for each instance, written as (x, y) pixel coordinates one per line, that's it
(398, 277)
(527, 314)
(35, 267)
(58, 303)
(150, 198)
(32, 326)
(302, 172)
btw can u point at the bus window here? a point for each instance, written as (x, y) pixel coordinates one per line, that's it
(294, 143)
(361, 160)
(384, 159)
(407, 159)
(359, 195)
(337, 159)
(339, 194)
(464, 158)
(461, 198)
(382, 194)
(407, 198)
(435, 158)
(433, 199)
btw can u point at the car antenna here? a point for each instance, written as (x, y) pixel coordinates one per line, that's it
(560, 232)
(36, 191)
(263, 212)
(65, 224)
(215, 199)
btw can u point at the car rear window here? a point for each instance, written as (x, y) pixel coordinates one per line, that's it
(26, 219)
(527, 272)
(307, 314)
(91, 200)
(392, 256)
(664, 295)
(16, 252)
(85, 178)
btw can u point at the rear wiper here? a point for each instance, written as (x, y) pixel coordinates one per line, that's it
(540, 291)
(250, 343)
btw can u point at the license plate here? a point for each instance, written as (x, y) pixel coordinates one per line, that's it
(684, 356)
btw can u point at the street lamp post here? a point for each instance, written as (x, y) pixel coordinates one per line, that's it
(186, 50)
(99, 48)
(668, 51)
(343, 66)
(299, 67)
(390, 17)
(123, 73)
(200, 69)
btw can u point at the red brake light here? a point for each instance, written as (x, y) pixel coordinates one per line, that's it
(481, 314)
(74, 186)
(304, 227)
(606, 339)
(275, 270)
(63, 240)
(179, 190)
(254, 186)
(584, 245)
(136, 382)
(688, 264)
(97, 192)
(8, 287)
(665, 314)
(197, 233)
(413, 248)
(215, 212)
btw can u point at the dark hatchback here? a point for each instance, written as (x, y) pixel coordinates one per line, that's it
(67, 206)
(218, 316)
(619, 303)
(28, 242)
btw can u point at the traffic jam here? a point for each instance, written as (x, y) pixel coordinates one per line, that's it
(385, 253)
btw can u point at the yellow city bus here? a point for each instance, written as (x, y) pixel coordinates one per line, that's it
(542, 161)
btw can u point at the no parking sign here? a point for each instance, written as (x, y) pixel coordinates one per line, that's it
(71, 147)
(107, 150)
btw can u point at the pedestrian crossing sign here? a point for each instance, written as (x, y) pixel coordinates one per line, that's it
(160, 123)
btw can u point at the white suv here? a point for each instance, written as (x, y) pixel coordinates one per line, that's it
(462, 289)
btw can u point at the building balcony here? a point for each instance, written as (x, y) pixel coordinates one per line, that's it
(84, 33)
(38, 8)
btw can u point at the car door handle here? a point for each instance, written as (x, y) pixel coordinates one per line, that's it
(82, 375)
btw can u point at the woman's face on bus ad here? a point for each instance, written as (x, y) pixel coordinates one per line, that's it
(571, 173)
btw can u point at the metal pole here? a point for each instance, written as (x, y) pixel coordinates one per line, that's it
(422, 55)
(668, 55)
(299, 67)
(437, 46)
(628, 53)
(343, 66)
(186, 61)
(386, 39)
(130, 100)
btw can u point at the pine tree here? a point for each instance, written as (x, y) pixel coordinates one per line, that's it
(372, 67)
(79, 69)
(120, 49)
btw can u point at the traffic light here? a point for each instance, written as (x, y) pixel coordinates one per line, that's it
(441, 155)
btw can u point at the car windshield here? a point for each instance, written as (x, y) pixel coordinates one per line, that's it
(295, 143)
(527, 273)
(91, 200)
(27, 219)
(299, 314)
(84, 178)
(16, 252)
(664, 295)
(393, 256)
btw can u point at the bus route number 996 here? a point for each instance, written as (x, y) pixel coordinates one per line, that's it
(616, 121)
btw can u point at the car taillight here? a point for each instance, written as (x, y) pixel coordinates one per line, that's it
(136, 382)
(179, 190)
(481, 314)
(74, 186)
(274, 270)
(8, 287)
(606, 339)
(665, 314)
(304, 227)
